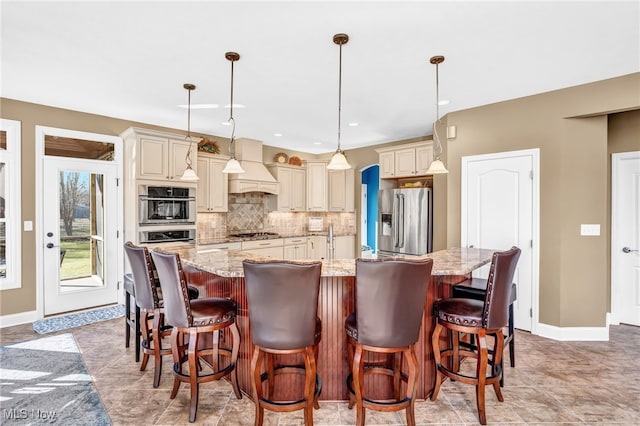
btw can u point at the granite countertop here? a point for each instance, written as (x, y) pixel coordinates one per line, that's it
(228, 263)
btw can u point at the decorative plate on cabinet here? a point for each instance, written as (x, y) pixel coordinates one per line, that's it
(295, 161)
(281, 157)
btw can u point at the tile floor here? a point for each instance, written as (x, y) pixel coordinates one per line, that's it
(554, 382)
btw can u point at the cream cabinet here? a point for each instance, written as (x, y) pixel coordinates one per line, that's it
(163, 158)
(295, 248)
(270, 248)
(317, 247)
(292, 194)
(231, 245)
(317, 186)
(341, 191)
(407, 160)
(213, 186)
(343, 247)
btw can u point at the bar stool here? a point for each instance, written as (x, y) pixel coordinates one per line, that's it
(148, 309)
(390, 300)
(131, 323)
(480, 318)
(282, 299)
(476, 288)
(192, 319)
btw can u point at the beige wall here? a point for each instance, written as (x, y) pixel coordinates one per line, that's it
(573, 184)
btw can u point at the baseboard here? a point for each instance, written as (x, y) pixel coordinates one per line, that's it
(573, 333)
(17, 319)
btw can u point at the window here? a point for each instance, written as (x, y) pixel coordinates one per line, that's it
(10, 214)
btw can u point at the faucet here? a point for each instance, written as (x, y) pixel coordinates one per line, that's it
(330, 242)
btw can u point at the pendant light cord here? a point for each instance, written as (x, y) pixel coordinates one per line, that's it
(232, 148)
(187, 159)
(339, 97)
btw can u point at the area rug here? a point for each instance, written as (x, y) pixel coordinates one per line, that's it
(77, 319)
(45, 381)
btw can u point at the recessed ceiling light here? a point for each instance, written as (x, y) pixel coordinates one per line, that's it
(354, 124)
(200, 106)
(277, 135)
(226, 123)
(234, 105)
(442, 102)
(317, 143)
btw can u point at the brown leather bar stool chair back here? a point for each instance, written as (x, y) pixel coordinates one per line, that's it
(283, 306)
(151, 316)
(476, 288)
(390, 301)
(191, 319)
(479, 318)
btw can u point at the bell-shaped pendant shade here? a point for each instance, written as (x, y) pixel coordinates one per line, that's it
(189, 175)
(338, 162)
(233, 166)
(436, 168)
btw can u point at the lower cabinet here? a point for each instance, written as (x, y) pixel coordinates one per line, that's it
(295, 248)
(317, 247)
(233, 245)
(269, 248)
(343, 247)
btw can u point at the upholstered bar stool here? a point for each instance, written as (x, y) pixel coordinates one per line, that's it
(282, 299)
(150, 318)
(190, 320)
(131, 323)
(479, 318)
(390, 301)
(476, 288)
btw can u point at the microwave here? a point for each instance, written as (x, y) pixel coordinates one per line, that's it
(160, 205)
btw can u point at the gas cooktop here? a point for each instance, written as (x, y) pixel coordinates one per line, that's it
(255, 235)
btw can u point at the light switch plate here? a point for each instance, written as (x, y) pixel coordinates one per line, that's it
(590, 229)
(28, 225)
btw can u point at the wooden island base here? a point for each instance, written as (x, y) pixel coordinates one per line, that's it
(336, 302)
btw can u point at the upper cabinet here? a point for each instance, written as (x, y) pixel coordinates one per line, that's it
(317, 186)
(292, 195)
(341, 191)
(158, 155)
(408, 160)
(213, 192)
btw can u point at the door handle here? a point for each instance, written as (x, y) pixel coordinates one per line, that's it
(50, 245)
(628, 250)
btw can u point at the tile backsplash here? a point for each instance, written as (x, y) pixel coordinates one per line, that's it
(249, 212)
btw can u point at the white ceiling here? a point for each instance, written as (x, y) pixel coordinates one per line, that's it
(130, 59)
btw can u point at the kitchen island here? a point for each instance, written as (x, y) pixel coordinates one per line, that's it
(219, 273)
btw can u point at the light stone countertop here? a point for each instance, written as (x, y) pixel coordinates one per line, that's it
(228, 263)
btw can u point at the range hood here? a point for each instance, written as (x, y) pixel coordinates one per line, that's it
(256, 177)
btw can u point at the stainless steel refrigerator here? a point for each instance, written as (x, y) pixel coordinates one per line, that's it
(405, 224)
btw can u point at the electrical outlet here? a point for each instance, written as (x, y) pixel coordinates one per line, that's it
(590, 229)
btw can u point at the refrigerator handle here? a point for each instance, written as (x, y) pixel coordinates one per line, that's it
(401, 220)
(394, 219)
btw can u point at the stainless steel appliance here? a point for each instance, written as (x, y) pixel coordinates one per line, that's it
(167, 236)
(405, 223)
(159, 205)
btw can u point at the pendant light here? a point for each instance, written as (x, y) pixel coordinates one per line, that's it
(339, 161)
(233, 165)
(189, 174)
(437, 166)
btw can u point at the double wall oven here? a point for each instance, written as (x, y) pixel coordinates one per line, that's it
(166, 214)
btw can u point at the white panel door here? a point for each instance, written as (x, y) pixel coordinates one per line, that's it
(625, 237)
(497, 213)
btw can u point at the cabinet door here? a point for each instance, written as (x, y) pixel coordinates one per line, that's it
(405, 162)
(284, 196)
(343, 247)
(337, 191)
(177, 155)
(317, 187)
(154, 158)
(298, 190)
(274, 252)
(317, 247)
(289, 253)
(218, 186)
(203, 189)
(424, 157)
(387, 164)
